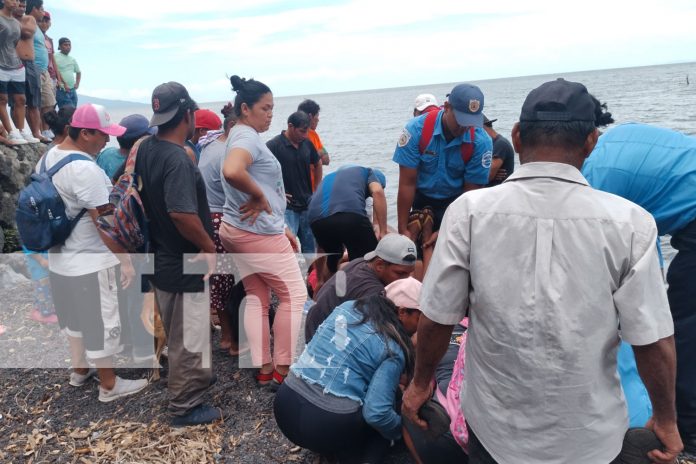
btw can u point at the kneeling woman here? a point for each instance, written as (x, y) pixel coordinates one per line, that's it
(339, 397)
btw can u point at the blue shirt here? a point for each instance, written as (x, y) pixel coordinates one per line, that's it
(110, 160)
(40, 50)
(342, 191)
(650, 166)
(350, 360)
(441, 169)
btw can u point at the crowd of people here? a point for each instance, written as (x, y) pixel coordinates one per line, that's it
(34, 76)
(514, 315)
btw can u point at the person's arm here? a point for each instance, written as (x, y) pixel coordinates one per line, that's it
(495, 165)
(404, 199)
(428, 355)
(318, 174)
(234, 170)
(78, 76)
(379, 207)
(325, 158)
(378, 405)
(657, 368)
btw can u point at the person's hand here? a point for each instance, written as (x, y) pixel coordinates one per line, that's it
(293, 240)
(288, 197)
(127, 273)
(210, 259)
(668, 434)
(431, 241)
(252, 208)
(501, 175)
(77, 85)
(415, 397)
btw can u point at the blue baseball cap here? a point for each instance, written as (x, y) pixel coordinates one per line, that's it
(467, 101)
(136, 126)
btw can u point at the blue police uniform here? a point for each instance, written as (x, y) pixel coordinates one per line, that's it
(441, 169)
(656, 168)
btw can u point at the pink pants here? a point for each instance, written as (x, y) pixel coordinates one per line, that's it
(267, 262)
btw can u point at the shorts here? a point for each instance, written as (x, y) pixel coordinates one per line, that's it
(48, 91)
(87, 307)
(12, 82)
(33, 89)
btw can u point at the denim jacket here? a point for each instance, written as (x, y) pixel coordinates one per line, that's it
(352, 361)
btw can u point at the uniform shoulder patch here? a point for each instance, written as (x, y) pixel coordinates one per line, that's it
(487, 159)
(404, 138)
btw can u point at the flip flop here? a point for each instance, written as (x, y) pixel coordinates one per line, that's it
(415, 219)
(263, 378)
(428, 216)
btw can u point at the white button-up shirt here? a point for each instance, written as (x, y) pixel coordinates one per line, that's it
(551, 270)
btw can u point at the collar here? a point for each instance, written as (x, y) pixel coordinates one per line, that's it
(438, 131)
(560, 171)
(287, 141)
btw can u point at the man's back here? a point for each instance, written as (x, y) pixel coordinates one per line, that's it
(296, 164)
(342, 191)
(651, 166)
(545, 305)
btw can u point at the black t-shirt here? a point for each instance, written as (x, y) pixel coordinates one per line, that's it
(503, 149)
(360, 281)
(295, 163)
(171, 184)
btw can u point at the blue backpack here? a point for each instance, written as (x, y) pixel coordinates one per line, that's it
(41, 219)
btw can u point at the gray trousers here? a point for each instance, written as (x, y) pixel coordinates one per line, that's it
(186, 320)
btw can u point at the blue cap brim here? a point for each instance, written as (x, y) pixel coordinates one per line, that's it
(468, 119)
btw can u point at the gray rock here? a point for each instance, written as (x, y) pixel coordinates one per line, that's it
(2, 240)
(16, 165)
(9, 278)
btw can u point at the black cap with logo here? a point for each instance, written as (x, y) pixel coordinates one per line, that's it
(167, 99)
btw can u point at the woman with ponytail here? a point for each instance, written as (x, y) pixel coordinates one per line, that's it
(253, 228)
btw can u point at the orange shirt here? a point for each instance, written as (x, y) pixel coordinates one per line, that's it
(316, 141)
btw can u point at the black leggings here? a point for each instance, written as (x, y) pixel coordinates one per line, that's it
(344, 437)
(351, 230)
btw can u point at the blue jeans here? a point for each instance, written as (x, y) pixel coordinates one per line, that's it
(66, 98)
(298, 222)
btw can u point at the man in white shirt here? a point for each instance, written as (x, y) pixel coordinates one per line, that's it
(549, 308)
(84, 271)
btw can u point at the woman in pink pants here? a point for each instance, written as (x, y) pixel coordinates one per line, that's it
(253, 228)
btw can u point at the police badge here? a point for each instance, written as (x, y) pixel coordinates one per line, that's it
(474, 106)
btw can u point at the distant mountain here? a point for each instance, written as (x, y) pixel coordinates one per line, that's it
(111, 104)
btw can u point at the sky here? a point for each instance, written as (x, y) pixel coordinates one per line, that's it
(303, 47)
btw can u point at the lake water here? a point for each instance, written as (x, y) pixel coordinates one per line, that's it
(363, 127)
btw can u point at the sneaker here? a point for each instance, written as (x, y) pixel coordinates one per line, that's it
(48, 133)
(15, 138)
(26, 135)
(78, 380)
(122, 387)
(201, 414)
(165, 352)
(36, 315)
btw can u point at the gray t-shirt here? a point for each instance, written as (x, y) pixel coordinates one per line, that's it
(209, 165)
(265, 170)
(9, 36)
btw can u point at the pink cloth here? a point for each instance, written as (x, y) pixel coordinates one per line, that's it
(267, 262)
(452, 403)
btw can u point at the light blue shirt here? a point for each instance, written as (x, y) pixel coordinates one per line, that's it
(650, 166)
(441, 169)
(265, 170)
(40, 50)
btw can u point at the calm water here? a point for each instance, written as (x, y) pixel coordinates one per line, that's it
(362, 127)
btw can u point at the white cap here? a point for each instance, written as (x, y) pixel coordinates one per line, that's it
(425, 100)
(394, 249)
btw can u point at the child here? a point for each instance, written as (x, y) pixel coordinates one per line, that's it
(37, 264)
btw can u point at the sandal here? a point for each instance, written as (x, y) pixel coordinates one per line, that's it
(428, 216)
(415, 223)
(263, 378)
(278, 380)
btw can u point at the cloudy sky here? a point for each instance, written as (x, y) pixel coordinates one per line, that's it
(127, 47)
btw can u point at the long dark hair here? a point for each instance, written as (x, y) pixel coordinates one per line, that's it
(381, 313)
(248, 91)
(59, 121)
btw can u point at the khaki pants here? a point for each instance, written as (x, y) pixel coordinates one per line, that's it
(186, 320)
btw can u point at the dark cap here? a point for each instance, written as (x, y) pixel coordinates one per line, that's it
(467, 101)
(167, 99)
(136, 126)
(558, 100)
(63, 40)
(488, 122)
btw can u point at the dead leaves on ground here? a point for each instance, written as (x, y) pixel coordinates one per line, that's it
(112, 442)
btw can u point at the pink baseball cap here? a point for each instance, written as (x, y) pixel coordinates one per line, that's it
(91, 116)
(405, 293)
